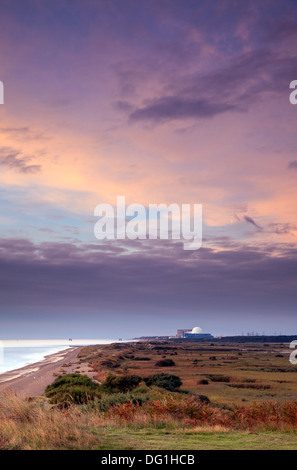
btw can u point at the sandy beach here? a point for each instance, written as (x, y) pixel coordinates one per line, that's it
(33, 379)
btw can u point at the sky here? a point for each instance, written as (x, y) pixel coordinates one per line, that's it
(168, 101)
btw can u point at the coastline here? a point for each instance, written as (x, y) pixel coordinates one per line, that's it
(32, 379)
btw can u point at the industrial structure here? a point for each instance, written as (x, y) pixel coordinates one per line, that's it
(180, 333)
(196, 332)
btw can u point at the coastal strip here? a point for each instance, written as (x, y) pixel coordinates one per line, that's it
(33, 379)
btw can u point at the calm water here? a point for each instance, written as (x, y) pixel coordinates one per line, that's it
(19, 353)
(14, 358)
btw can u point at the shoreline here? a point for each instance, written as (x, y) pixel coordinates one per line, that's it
(32, 379)
(41, 356)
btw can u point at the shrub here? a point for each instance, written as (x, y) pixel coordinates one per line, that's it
(218, 378)
(116, 399)
(203, 382)
(204, 399)
(251, 385)
(142, 358)
(181, 410)
(124, 383)
(110, 364)
(168, 381)
(72, 388)
(165, 363)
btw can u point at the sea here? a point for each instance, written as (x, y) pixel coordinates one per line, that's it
(15, 354)
(15, 358)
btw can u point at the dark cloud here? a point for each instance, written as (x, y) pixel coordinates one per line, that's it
(147, 279)
(249, 220)
(280, 30)
(246, 79)
(282, 228)
(173, 107)
(255, 66)
(15, 160)
(124, 106)
(292, 165)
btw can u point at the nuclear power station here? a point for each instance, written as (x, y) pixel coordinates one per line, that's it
(196, 332)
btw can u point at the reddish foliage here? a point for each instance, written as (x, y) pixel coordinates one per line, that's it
(189, 412)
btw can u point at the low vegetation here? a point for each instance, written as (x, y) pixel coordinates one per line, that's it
(165, 363)
(118, 383)
(168, 381)
(131, 404)
(72, 388)
(185, 422)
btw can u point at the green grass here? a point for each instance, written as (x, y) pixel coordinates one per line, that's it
(159, 439)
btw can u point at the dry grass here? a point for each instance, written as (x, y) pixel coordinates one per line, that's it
(236, 363)
(215, 428)
(34, 424)
(26, 424)
(15, 407)
(254, 377)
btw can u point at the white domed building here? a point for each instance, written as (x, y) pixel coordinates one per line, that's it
(196, 332)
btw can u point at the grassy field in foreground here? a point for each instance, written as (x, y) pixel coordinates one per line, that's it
(42, 428)
(223, 396)
(203, 439)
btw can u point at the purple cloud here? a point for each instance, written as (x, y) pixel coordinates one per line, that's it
(14, 160)
(66, 274)
(249, 220)
(292, 165)
(173, 107)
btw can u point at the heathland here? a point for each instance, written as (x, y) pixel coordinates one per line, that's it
(157, 395)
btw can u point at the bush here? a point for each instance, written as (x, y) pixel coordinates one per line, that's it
(142, 358)
(117, 383)
(203, 382)
(116, 399)
(218, 378)
(72, 388)
(165, 363)
(168, 381)
(110, 364)
(203, 399)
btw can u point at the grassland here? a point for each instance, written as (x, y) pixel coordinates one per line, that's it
(236, 373)
(233, 396)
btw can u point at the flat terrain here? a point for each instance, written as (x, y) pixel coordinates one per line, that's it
(228, 374)
(154, 439)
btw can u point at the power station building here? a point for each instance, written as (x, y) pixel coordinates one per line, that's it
(194, 333)
(180, 333)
